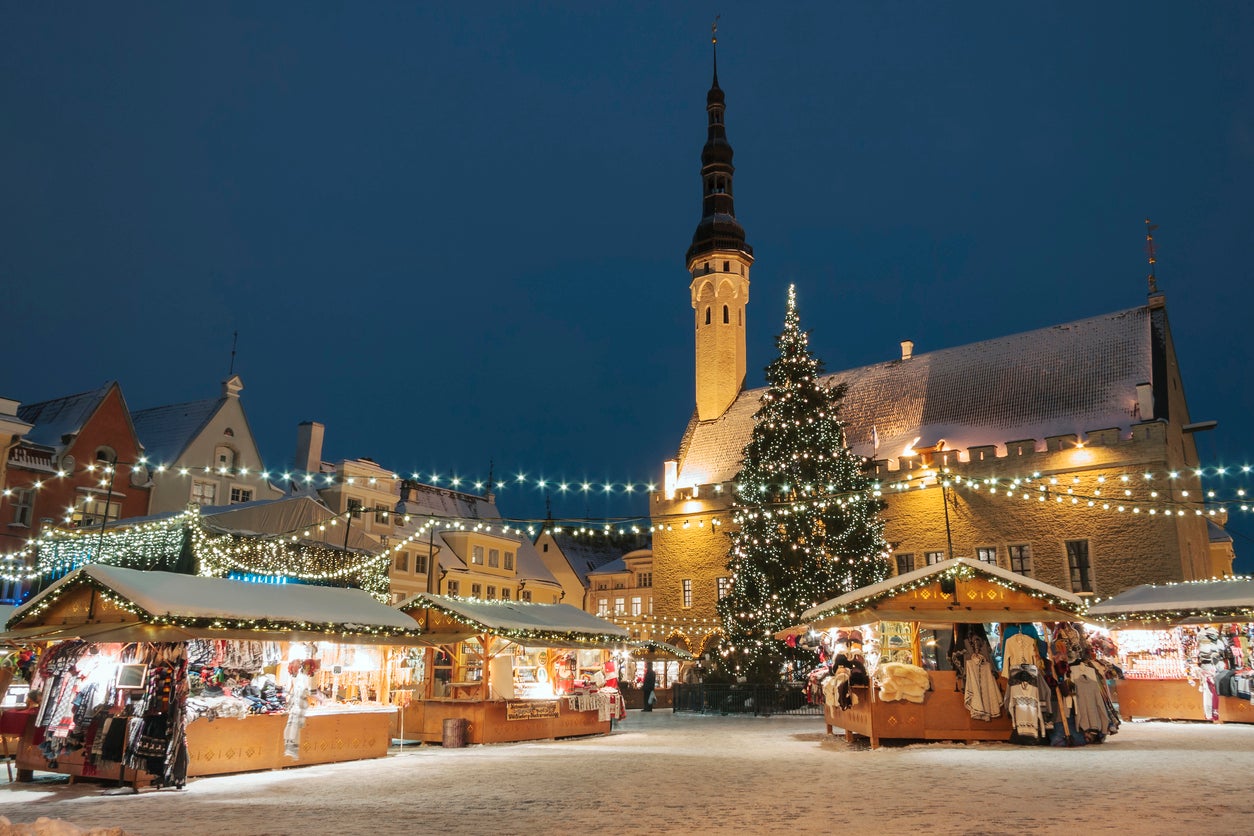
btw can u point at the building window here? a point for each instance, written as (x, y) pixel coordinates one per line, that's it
(509, 561)
(239, 495)
(491, 592)
(1021, 559)
(401, 562)
(354, 508)
(525, 595)
(420, 564)
(476, 590)
(453, 587)
(95, 511)
(724, 587)
(726, 315)
(22, 501)
(204, 493)
(620, 606)
(494, 558)
(603, 607)
(905, 563)
(636, 605)
(476, 555)
(726, 266)
(932, 558)
(644, 579)
(381, 514)
(1081, 569)
(505, 593)
(546, 547)
(686, 585)
(987, 555)
(707, 314)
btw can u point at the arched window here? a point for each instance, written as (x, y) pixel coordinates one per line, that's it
(707, 315)
(106, 455)
(726, 315)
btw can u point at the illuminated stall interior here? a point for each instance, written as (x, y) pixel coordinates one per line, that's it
(287, 673)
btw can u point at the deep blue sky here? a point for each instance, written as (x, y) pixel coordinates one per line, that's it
(455, 233)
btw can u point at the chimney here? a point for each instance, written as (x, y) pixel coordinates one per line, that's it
(907, 349)
(1145, 401)
(309, 446)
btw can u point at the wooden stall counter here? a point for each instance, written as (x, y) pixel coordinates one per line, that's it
(941, 716)
(497, 721)
(247, 744)
(1175, 699)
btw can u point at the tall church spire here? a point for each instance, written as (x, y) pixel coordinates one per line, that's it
(718, 264)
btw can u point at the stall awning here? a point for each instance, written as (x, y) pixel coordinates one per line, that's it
(444, 619)
(950, 592)
(131, 602)
(1191, 602)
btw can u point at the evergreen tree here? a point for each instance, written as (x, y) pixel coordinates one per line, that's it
(808, 526)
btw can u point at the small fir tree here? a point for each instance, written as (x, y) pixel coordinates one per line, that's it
(807, 520)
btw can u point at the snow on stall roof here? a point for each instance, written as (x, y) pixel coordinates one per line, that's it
(1200, 596)
(1071, 378)
(518, 615)
(906, 579)
(194, 597)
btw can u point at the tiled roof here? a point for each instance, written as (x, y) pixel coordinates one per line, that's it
(165, 431)
(1071, 378)
(60, 417)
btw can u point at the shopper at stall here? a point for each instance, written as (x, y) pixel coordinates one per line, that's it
(650, 682)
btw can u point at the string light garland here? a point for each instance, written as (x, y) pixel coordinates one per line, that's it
(519, 635)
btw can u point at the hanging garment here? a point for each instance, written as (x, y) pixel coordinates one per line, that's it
(1019, 649)
(1092, 712)
(981, 696)
(1023, 704)
(296, 708)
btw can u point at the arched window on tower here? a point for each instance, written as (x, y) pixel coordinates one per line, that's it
(726, 316)
(707, 315)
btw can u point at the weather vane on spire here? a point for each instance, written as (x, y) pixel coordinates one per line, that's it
(714, 30)
(1149, 246)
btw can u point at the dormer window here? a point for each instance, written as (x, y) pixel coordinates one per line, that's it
(106, 455)
(224, 457)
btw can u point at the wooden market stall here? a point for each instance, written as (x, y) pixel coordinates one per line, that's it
(508, 671)
(670, 666)
(957, 591)
(322, 649)
(1156, 628)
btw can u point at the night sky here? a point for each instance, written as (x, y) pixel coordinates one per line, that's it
(454, 233)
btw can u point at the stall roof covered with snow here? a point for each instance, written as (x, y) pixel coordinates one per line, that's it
(110, 603)
(1192, 602)
(957, 591)
(446, 620)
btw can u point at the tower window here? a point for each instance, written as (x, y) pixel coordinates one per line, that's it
(726, 315)
(707, 267)
(707, 315)
(726, 266)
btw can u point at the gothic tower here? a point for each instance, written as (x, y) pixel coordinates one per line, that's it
(718, 262)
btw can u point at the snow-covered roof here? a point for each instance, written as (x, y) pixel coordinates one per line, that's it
(619, 565)
(879, 601)
(1217, 533)
(54, 419)
(1071, 378)
(656, 649)
(593, 551)
(216, 602)
(1227, 599)
(526, 623)
(165, 431)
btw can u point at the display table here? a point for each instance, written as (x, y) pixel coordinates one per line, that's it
(1175, 699)
(497, 721)
(247, 744)
(941, 716)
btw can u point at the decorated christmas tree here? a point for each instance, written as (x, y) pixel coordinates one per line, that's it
(807, 517)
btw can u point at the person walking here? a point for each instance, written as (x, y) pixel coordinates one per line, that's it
(650, 682)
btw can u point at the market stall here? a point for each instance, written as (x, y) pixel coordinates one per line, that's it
(1184, 648)
(671, 664)
(157, 676)
(509, 671)
(891, 642)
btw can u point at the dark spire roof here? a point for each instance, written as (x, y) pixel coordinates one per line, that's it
(718, 229)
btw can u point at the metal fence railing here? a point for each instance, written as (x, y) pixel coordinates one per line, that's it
(742, 698)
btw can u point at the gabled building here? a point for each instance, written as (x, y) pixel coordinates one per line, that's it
(77, 466)
(442, 541)
(1064, 453)
(622, 591)
(572, 553)
(203, 453)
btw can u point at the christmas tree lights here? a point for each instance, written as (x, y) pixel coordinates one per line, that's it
(793, 547)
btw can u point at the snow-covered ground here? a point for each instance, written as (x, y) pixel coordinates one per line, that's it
(664, 772)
